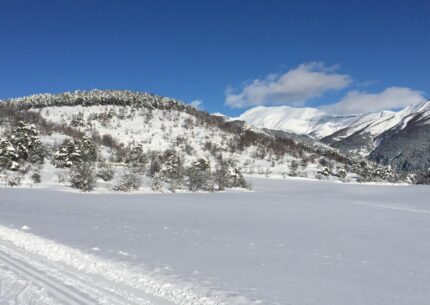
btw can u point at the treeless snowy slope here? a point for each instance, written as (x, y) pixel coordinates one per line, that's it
(310, 121)
(290, 242)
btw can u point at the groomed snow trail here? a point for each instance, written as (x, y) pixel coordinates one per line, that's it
(17, 290)
(56, 274)
(61, 292)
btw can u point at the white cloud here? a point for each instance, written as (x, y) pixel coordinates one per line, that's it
(363, 102)
(197, 104)
(294, 87)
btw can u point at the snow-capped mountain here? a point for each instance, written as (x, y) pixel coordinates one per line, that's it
(379, 122)
(371, 131)
(406, 145)
(367, 135)
(136, 140)
(309, 121)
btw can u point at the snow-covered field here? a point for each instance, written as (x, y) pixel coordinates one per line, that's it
(288, 242)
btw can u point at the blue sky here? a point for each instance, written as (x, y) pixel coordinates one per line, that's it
(299, 53)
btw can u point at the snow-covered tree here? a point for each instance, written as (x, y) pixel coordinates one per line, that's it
(130, 180)
(173, 171)
(294, 165)
(75, 151)
(199, 176)
(228, 176)
(82, 176)
(154, 167)
(77, 120)
(105, 171)
(135, 154)
(8, 155)
(21, 145)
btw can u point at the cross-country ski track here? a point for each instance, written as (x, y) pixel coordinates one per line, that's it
(57, 274)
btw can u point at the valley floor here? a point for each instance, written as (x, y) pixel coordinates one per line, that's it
(288, 242)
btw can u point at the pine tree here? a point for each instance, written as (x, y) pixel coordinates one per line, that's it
(75, 151)
(226, 176)
(22, 145)
(199, 176)
(82, 176)
(173, 171)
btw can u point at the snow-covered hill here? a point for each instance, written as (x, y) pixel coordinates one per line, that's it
(146, 142)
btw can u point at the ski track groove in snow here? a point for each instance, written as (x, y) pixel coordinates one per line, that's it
(79, 282)
(61, 292)
(73, 277)
(390, 207)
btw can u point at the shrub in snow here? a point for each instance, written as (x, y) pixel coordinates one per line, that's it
(189, 150)
(35, 177)
(77, 120)
(82, 176)
(109, 141)
(323, 162)
(172, 170)
(75, 151)
(157, 183)
(154, 167)
(422, 178)
(339, 172)
(324, 171)
(319, 176)
(24, 168)
(134, 154)
(105, 172)
(130, 180)
(227, 176)
(62, 175)
(14, 180)
(294, 165)
(199, 176)
(7, 155)
(304, 163)
(11, 178)
(236, 179)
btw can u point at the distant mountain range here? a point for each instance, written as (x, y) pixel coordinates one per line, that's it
(397, 138)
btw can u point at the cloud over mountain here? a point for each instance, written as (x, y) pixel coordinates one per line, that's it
(362, 102)
(294, 88)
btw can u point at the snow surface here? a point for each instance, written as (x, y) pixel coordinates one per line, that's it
(288, 242)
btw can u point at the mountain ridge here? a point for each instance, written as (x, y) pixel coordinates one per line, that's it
(307, 120)
(371, 135)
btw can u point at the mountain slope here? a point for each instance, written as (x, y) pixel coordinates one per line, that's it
(372, 129)
(310, 121)
(406, 146)
(392, 138)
